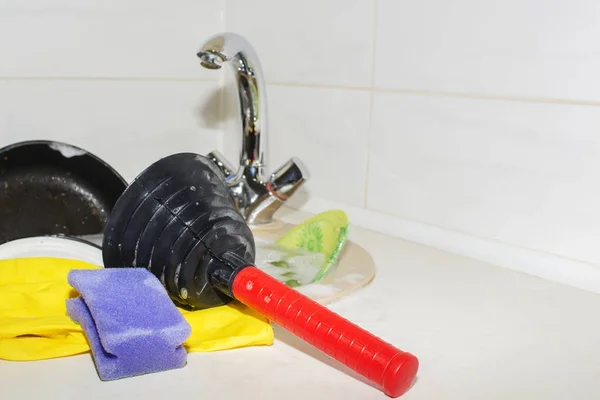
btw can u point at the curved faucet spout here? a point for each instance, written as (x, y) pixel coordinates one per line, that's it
(238, 52)
(257, 197)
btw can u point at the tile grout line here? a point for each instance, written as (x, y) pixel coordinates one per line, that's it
(456, 95)
(222, 93)
(432, 93)
(476, 96)
(319, 86)
(104, 79)
(371, 96)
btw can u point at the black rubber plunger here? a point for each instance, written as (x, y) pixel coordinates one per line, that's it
(178, 220)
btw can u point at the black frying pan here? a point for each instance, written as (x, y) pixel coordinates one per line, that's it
(53, 188)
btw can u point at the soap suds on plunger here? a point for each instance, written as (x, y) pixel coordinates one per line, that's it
(66, 150)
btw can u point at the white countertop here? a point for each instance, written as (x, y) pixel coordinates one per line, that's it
(479, 331)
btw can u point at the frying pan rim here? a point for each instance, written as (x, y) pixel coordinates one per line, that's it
(94, 157)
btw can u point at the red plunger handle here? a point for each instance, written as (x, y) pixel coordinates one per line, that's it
(389, 368)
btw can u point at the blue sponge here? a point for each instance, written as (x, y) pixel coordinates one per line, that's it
(131, 324)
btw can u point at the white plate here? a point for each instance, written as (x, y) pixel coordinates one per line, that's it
(48, 246)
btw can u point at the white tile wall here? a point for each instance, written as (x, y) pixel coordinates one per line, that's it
(92, 38)
(470, 116)
(313, 42)
(118, 78)
(128, 124)
(327, 129)
(483, 117)
(521, 173)
(511, 48)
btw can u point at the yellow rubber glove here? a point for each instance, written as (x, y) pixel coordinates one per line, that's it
(34, 324)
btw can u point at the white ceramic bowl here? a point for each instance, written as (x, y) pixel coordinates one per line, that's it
(50, 246)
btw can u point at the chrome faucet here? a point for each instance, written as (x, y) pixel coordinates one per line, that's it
(256, 197)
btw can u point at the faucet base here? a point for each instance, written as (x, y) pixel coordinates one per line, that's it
(256, 199)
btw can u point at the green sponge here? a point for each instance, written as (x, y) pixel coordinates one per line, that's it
(324, 233)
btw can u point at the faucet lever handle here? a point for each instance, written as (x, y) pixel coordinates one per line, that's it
(219, 159)
(288, 178)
